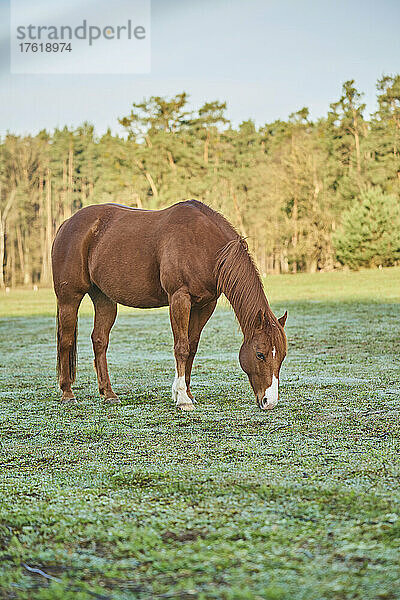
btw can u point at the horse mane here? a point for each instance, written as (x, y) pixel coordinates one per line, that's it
(237, 275)
(238, 278)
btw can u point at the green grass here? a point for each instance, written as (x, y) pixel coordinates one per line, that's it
(227, 502)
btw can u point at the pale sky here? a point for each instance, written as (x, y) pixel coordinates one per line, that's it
(266, 58)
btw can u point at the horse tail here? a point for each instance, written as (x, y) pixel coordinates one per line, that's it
(72, 352)
(58, 344)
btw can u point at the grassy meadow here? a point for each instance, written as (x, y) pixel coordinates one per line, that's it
(139, 501)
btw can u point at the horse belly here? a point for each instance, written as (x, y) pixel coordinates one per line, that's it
(128, 277)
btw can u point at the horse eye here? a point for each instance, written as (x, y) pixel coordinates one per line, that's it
(260, 355)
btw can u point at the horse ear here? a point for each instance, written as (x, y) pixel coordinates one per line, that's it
(282, 320)
(259, 321)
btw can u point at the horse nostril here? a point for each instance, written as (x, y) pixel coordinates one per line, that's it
(263, 404)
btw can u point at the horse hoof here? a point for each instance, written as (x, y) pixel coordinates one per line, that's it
(112, 401)
(186, 407)
(68, 401)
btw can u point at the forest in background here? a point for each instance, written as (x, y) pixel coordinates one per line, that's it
(307, 195)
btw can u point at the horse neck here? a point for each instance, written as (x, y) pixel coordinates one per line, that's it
(238, 279)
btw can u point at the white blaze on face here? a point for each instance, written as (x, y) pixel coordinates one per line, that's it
(271, 394)
(273, 352)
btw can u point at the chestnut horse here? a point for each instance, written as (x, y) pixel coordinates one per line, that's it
(183, 256)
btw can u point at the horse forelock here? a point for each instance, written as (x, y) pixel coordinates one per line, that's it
(276, 333)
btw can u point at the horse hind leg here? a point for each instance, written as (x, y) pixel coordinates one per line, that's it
(104, 318)
(67, 317)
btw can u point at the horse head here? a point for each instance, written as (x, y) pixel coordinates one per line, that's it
(261, 356)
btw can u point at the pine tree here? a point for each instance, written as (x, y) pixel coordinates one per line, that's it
(370, 232)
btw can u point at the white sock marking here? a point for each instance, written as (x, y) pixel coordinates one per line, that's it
(179, 393)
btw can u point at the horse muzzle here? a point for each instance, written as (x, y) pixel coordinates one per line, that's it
(269, 399)
(265, 404)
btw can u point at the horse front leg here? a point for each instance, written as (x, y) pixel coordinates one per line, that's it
(179, 308)
(198, 319)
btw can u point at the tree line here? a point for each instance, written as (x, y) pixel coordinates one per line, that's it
(308, 195)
